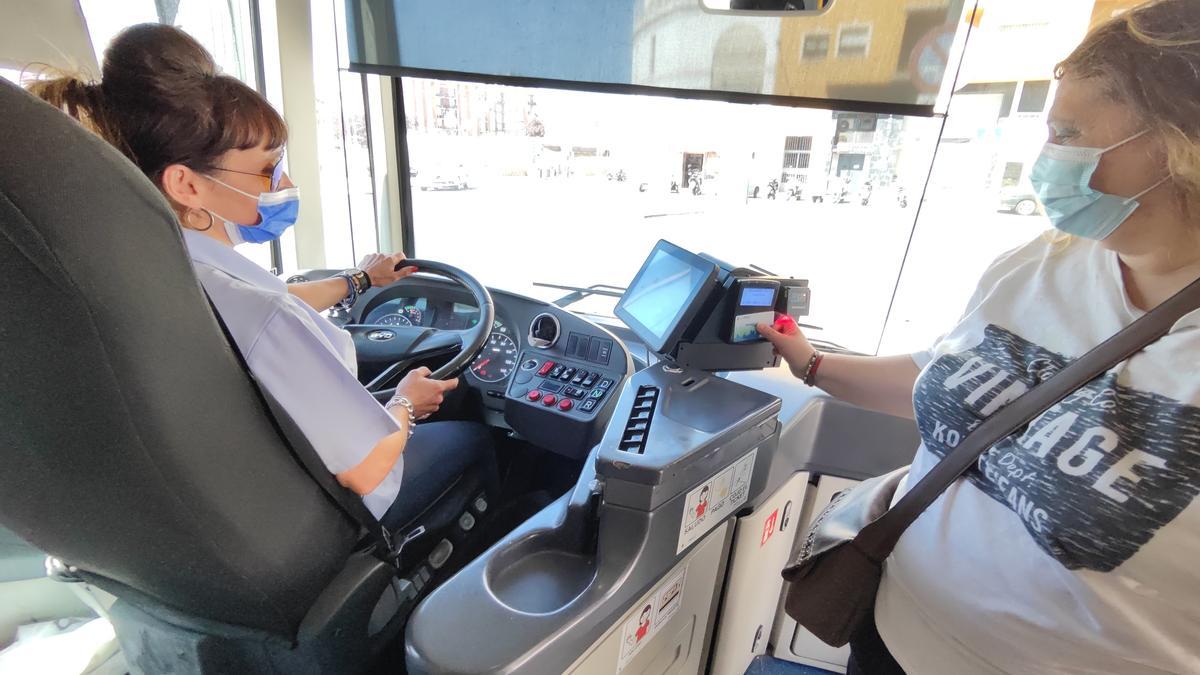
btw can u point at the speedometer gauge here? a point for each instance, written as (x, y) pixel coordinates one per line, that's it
(393, 320)
(498, 358)
(415, 315)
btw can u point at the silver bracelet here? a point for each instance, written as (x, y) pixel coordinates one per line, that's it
(351, 292)
(412, 412)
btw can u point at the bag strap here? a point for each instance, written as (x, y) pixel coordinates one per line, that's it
(878, 538)
(302, 450)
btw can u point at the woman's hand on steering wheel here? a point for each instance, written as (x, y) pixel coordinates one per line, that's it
(425, 394)
(383, 268)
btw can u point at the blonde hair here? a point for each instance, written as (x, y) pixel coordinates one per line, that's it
(1149, 59)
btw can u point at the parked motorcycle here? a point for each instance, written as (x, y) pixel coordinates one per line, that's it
(772, 188)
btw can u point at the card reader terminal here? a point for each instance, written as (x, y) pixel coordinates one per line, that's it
(754, 303)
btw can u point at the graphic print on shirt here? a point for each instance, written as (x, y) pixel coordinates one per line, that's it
(1094, 477)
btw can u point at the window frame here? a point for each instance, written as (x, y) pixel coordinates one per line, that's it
(260, 85)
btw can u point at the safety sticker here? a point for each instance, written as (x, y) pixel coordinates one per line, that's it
(714, 499)
(769, 528)
(654, 613)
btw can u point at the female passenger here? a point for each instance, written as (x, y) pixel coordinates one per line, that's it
(213, 147)
(1072, 546)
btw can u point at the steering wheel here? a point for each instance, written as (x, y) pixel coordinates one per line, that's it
(396, 349)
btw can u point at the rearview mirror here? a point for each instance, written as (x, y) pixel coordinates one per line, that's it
(767, 5)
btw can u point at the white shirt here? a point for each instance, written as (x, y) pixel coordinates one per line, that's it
(1074, 546)
(306, 362)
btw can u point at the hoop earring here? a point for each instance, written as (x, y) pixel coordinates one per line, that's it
(187, 217)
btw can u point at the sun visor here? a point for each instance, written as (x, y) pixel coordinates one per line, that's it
(895, 56)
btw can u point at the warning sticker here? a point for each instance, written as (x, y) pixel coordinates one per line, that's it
(769, 528)
(651, 616)
(714, 499)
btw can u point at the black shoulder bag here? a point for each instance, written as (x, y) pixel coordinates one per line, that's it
(836, 574)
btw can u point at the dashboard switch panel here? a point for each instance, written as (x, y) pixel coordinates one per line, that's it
(563, 387)
(575, 396)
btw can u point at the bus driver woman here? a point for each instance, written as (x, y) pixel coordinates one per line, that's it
(212, 146)
(1070, 547)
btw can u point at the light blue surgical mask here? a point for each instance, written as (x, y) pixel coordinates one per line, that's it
(1062, 177)
(277, 212)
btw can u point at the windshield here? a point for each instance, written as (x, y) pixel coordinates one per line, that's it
(892, 218)
(569, 188)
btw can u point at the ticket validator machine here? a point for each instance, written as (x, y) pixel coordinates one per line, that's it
(623, 573)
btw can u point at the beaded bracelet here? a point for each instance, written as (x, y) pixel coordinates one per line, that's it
(351, 292)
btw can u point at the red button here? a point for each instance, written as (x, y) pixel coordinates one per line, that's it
(549, 399)
(565, 404)
(535, 395)
(546, 368)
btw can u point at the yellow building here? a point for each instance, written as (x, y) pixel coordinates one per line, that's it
(868, 50)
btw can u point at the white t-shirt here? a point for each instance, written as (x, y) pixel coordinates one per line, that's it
(1073, 546)
(306, 362)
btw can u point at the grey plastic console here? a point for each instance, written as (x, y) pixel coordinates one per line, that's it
(543, 595)
(546, 592)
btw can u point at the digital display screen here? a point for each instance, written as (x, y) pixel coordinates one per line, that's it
(757, 297)
(662, 292)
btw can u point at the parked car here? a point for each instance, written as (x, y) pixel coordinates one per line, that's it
(1019, 200)
(443, 178)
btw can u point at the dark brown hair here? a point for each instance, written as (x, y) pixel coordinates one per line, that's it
(162, 100)
(1149, 59)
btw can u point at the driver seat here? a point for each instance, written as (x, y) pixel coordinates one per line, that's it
(136, 449)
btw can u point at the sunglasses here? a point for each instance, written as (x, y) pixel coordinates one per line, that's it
(275, 176)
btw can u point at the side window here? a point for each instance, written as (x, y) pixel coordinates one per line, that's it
(349, 212)
(979, 202)
(225, 30)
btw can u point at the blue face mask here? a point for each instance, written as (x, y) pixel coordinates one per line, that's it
(277, 212)
(1062, 175)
